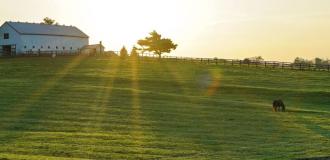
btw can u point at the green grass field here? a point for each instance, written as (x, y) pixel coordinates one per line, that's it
(97, 108)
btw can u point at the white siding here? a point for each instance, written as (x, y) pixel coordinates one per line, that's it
(25, 42)
(14, 37)
(42, 42)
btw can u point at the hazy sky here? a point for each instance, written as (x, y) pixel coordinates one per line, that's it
(274, 29)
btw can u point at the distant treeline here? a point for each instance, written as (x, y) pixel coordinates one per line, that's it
(316, 61)
(298, 60)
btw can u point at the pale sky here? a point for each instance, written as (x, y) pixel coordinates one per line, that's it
(274, 29)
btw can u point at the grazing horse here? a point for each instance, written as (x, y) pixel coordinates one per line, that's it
(278, 106)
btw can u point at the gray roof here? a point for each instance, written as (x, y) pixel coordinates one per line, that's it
(45, 29)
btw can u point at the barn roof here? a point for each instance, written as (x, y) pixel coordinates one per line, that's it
(45, 29)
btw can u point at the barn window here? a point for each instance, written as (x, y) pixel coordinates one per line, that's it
(56, 47)
(25, 47)
(63, 48)
(6, 36)
(71, 48)
(42, 47)
(33, 46)
(48, 47)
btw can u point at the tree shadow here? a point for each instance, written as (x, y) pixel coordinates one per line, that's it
(307, 112)
(26, 115)
(315, 158)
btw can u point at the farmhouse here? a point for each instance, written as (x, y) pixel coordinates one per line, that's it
(18, 38)
(92, 49)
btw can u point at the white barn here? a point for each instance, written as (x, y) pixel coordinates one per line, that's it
(18, 38)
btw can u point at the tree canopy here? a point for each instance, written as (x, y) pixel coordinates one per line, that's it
(156, 44)
(257, 59)
(300, 60)
(317, 61)
(134, 52)
(49, 21)
(123, 52)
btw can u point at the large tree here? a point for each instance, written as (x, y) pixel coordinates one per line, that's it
(49, 21)
(156, 44)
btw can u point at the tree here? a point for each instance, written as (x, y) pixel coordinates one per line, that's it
(302, 61)
(156, 44)
(318, 61)
(48, 21)
(298, 60)
(134, 52)
(326, 62)
(246, 61)
(123, 52)
(257, 59)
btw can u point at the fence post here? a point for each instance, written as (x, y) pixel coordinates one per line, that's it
(265, 64)
(328, 67)
(232, 62)
(240, 63)
(300, 66)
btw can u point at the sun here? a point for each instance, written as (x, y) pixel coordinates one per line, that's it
(123, 22)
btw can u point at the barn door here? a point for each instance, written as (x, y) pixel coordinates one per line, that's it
(13, 50)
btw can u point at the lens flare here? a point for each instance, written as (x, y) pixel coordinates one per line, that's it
(215, 83)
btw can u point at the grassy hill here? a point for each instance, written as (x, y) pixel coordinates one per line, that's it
(97, 108)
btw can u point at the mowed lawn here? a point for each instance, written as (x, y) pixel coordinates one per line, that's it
(101, 108)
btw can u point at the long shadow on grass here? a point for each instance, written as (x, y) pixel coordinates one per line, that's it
(28, 108)
(310, 124)
(315, 158)
(84, 109)
(212, 126)
(179, 117)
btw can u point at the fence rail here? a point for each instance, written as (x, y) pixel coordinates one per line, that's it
(209, 61)
(242, 63)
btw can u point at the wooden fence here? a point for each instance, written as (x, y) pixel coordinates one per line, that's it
(242, 63)
(49, 53)
(210, 61)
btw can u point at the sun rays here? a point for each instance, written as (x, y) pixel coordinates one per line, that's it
(179, 79)
(19, 109)
(136, 116)
(104, 94)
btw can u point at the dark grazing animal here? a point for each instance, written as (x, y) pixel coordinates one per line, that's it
(278, 106)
